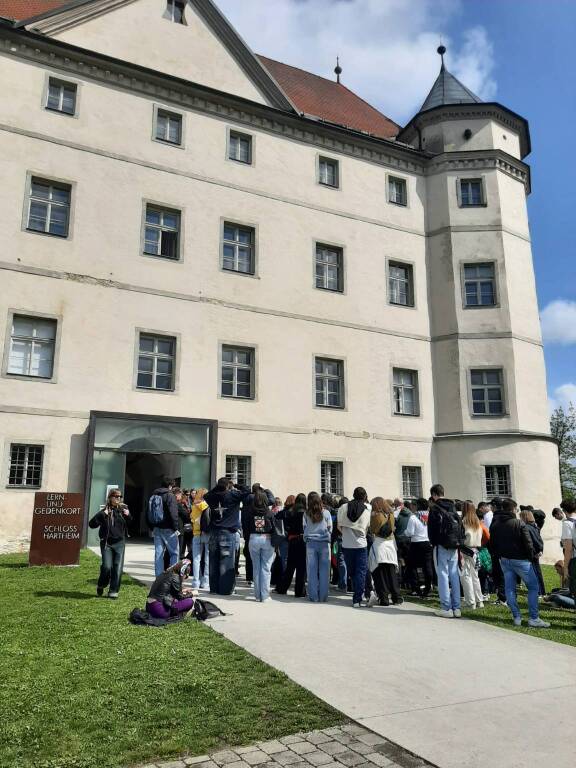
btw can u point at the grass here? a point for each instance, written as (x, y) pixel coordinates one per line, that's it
(562, 622)
(83, 688)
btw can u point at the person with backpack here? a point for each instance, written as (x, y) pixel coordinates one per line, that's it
(473, 533)
(224, 501)
(382, 556)
(512, 543)
(317, 534)
(294, 511)
(261, 524)
(200, 538)
(403, 544)
(112, 522)
(163, 519)
(568, 539)
(446, 535)
(354, 523)
(420, 550)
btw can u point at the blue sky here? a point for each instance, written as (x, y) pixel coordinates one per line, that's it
(517, 52)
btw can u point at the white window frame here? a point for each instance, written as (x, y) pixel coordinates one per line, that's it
(390, 178)
(34, 178)
(162, 208)
(464, 280)
(468, 179)
(234, 473)
(236, 347)
(417, 467)
(27, 446)
(176, 12)
(339, 464)
(489, 494)
(485, 369)
(156, 356)
(54, 79)
(339, 250)
(17, 312)
(325, 378)
(233, 133)
(338, 172)
(409, 266)
(415, 387)
(171, 113)
(236, 244)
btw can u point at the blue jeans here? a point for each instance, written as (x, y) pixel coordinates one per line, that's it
(112, 565)
(318, 570)
(164, 537)
(446, 562)
(357, 566)
(342, 570)
(222, 570)
(283, 553)
(523, 569)
(199, 546)
(262, 554)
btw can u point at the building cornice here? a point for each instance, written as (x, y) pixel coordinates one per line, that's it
(481, 159)
(506, 433)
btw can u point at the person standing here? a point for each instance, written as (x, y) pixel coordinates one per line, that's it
(200, 541)
(528, 518)
(403, 544)
(317, 534)
(163, 518)
(382, 556)
(446, 534)
(473, 597)
(568, 538)
(512, 543)
(224, 501)
(354, 522)
(294, 511)
(184, 523)
(420, 550)
(261, 549)
(112, 522)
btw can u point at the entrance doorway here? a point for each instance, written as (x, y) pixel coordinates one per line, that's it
(144, 473)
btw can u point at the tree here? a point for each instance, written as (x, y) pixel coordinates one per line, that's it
(563, 428)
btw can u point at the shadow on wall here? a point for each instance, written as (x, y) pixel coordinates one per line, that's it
(77, 464)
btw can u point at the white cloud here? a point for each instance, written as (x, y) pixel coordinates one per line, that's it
(559, 322)
(387, 48)
(563, 396)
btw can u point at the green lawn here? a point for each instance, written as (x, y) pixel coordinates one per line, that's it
(562, 622)
(82, 688)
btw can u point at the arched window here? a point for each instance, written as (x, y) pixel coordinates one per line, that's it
(175, 11)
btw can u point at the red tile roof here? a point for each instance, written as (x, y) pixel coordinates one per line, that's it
(311, 94)
(329, 100)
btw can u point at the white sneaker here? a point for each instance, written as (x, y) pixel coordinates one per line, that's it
(538, 623)
(444, 614)
(356, 605)
(373, 600)
(114, 595)
(480, 605)
(457, 613)
(518, 621)
(267, 600)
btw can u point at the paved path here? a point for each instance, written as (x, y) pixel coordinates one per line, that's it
(459, 693)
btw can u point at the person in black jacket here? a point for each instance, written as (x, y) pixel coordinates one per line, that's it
(184, 523)
(512, 543)
(446, 534)
(261, 550)
(167, 597)
(527, 516)
(166, 531)
(112, 522)
(246, 517)
(294, 529)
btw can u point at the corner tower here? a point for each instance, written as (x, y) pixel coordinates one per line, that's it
(492, 434)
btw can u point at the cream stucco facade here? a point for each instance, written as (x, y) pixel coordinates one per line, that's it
(102, 291)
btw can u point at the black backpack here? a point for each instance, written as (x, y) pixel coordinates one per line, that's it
(205, 519)
(452, 533)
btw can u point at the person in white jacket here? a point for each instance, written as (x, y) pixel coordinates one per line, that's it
(469, 575)
(353, 523)
(383, 556)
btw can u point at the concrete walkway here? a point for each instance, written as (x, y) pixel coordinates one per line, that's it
(459, 693)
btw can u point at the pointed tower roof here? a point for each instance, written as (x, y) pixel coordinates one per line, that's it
(448, 90)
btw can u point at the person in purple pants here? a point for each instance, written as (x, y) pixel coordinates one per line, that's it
(167, 596)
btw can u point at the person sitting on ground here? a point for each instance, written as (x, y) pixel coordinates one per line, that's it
(569, 544)
(420, 550)
(294, 511)
(167, 597)
(473, 597)
(527, 517)
(512, 543)
(112, 522)
(317, 534)
(260, 525)
(354, 522)
(382, 556)
(446, 535)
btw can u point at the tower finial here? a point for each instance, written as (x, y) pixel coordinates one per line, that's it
(338, 69)
(441, 50)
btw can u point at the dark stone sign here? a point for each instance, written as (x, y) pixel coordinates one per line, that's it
(56, 529)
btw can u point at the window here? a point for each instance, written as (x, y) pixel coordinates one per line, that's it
(61, 96)
(239, 469)
(471, 193)
(156, 358)
(175, 11)
(168, 127)
(238, 249)
(329, 268)
(479, 285)
(405, 386)
(162, 232)
(49, 208)
(412, 482)
(397, 191)
(329, 383)
(328, 172)
(240, 147)
(400, 284)
(498, 481)
(32, 347)
(487, 393)
(237, 372)
(332, 477)
(25, 466)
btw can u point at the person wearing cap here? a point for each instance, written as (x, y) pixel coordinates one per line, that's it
(167, 597)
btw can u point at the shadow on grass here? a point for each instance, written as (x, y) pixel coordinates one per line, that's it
(14, 565)
(67, 595)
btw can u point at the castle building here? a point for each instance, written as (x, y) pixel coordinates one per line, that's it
(215, 263)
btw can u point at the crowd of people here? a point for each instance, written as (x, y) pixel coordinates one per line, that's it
(371, 549)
